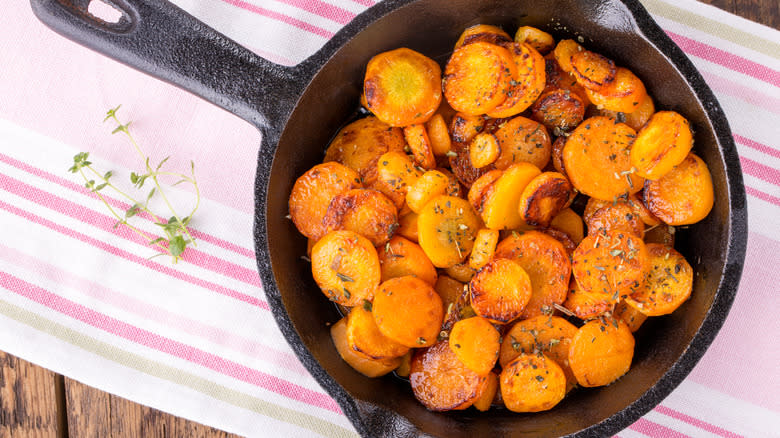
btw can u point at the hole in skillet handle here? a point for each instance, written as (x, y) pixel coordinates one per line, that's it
(106, 12)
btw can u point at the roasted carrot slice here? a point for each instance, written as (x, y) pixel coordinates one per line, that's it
(483, 150)
(461, 272)
(401, 257)
(453, 188)
(557, 155)
(601, 352)
(611, 263)
(441, 382)
(481, 188)
(570, 223)
(499, 208)
(637, 118)
(633, 201)
(592, 70)
(546, 334)
(477, 77)
(402, 87)
(364, 336)
(346, 267)
(668, 283)
(543, 197)
(616, 217)
(662, 144)
(563, 52)
(540, 40)
(465, 127)
(532, 383)
(587, 305)
(396, 172)
(557, 78)
(460, 163)
(484, 247)
(408, 311)
(547, 264)
(366, 212)
(559, 108)
(500, 291)
(625, 93)
(407, 226)
(629, 315)
(417, 138)
(312, 193)
(361, 364)
(428, 186)
(523, 140)
(596, 159)
(683, 196)
(482, 32)
(449, 289)
(485, 400)
(526, 84)
(360, 144)
(439, 135)
(405, 367)
(446, 229)
(476, 343)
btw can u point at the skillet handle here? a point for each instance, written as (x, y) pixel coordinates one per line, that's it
(162, 40)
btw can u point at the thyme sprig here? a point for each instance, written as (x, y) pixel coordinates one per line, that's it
(177, 235)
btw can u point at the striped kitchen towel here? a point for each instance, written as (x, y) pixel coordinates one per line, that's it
(196, 339)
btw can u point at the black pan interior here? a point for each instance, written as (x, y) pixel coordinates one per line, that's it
(431, 27)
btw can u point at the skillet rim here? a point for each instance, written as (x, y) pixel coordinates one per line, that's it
(723, 297)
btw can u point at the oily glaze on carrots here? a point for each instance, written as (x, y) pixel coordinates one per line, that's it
(449, 225)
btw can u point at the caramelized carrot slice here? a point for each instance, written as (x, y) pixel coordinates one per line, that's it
(465, 127)
(570, 223)
(557, 154)
(500, 291)
(596, 159)
(629, 315)
(523, 140)
(360, 144)
(312, 193)
(476, 343)
(449, 289)
(482, 32)
(428, 186)
(460, 163)
(408, 311)
(616, 217)
(360, 363)
(601, 352)
(400, 257)
(668, 283)
(483, 150)
(587, 305)
(662, 144)
(396, 172)
(559, 108)
(345, 266)
(477, 77)
(547, 264)
(526, 84)
(461, 272)
(402, 87)
(441, 382)
(407, 226)
(364, 337)
(543, 197)
(611, 263)
(499, 208)
(485, 399)
(484, 248)
(532, 383)
(683, 196)
(592, 70)
(481, 188)
(540, 40)
(439, 135)
(417, 138)
(624, 94)
(563, 53)
(446, 229)
(366, 212)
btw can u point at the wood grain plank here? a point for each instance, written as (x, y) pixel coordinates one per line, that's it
(766, 12)
(88, 410)
(28, 400)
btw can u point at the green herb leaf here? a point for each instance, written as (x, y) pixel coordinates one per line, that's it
(176, 245)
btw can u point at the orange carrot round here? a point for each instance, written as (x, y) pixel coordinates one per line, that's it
(500, 291)
(408, 311)
(476, 343)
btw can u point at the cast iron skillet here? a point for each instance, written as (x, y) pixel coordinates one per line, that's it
(298, 109)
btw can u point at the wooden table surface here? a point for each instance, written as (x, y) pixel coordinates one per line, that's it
(35, 402)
